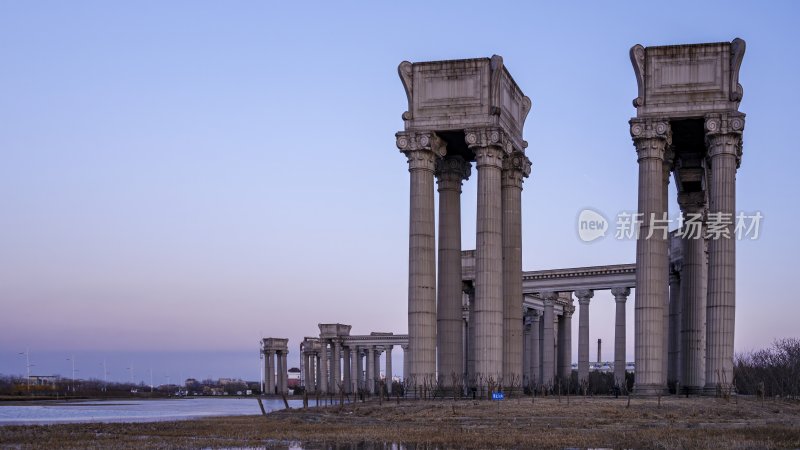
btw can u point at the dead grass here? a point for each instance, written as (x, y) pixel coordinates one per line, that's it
(584, 422)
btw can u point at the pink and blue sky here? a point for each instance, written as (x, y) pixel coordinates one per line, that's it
(181, 178)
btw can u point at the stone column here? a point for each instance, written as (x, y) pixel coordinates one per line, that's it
(450, 171)
(669, 157)
(336, 367)
(693, 274)
(405, 361)
(489, 154)
(584, 296)
(285, 372)
(651, 138)
(673, 370)
(516, 167)
(724, 143)
(324, 376)
(281, 370)
(269, 372)
(565, 340)
(353, 369)
(422, 150)
(360, 378)
(389, 369)
(347, 382)
(526, 350)
(371, 370)
(377, 369)
(548, 353)
(620, 297)
(536, 343)
(469, 289)
(319, 374)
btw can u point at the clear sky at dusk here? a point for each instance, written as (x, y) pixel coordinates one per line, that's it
(179, 179)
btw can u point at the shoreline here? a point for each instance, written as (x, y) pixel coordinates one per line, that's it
(547, 422)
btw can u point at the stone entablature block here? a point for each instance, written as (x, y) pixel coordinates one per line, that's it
(467, 93)
(683, 81)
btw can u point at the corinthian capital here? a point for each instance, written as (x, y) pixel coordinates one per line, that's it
(452, 170)
(516, 167)
(584, 296)
(724, 134)
(422, 148)
(621, 293)
(488, 137)
(651, 137)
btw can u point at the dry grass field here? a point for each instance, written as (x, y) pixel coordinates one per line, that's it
(515, 423)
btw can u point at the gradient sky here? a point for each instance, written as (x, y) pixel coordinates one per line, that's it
(179, 179)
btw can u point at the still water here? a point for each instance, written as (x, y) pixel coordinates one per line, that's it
(134, 410)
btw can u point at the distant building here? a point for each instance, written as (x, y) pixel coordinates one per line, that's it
(294, 378)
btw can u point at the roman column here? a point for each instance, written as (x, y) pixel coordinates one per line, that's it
(336, 367)
(323, 364)
(371, 370)
(724, 143)
(422, 149)
(469, 289)
(281, 370)
(536, 343)
(673, 370)
(548, 350)
(489, 153)
(584, 296)
(377, 369)
(693, 293)
(269, 372)
(527, 341)
(450, 172)
(516, 167)
(318, 376)
(651, 138)
(360, 382)
(565, 341)
(285, 372)
(388, 377)
(346, 382)
(353, 369)
(620, 297)
(405, 362)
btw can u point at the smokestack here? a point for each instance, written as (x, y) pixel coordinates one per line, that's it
(599, 347)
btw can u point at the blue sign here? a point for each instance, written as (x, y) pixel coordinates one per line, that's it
(498, 396)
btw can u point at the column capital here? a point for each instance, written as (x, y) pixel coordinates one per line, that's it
(422, 148)
(549, 297)
(621, 293)
(692, 202)
(568, 311)
(516, 167)
(584, 295)
(450, 171)
(651, 137)
(724, 135)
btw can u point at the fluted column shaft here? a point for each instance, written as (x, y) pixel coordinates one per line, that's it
(516, 167)
(422, 150)
(565, 342)
(360, 368)
(284, 372)
(693, 303)
(724, 140)
(489, 262)
(450, 171)
(405, 361)
(336, 367)
(536, 343)
(377, 368)
(371, 370)
(470, 290)
(269, 372)
(669, 156)
(620, 297)
(584, 296)
(388, 376)
(527, 341)
(346, 383)
(353, 369)
(323, 364)
(651, 138)
(548, 349)
(673, 371)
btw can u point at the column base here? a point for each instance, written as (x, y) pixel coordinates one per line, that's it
(691, 390)
(649, 390)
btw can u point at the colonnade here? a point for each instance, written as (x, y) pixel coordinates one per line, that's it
(275, 353)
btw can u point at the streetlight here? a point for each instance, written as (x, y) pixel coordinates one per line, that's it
(72, 381)
(27, 354)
